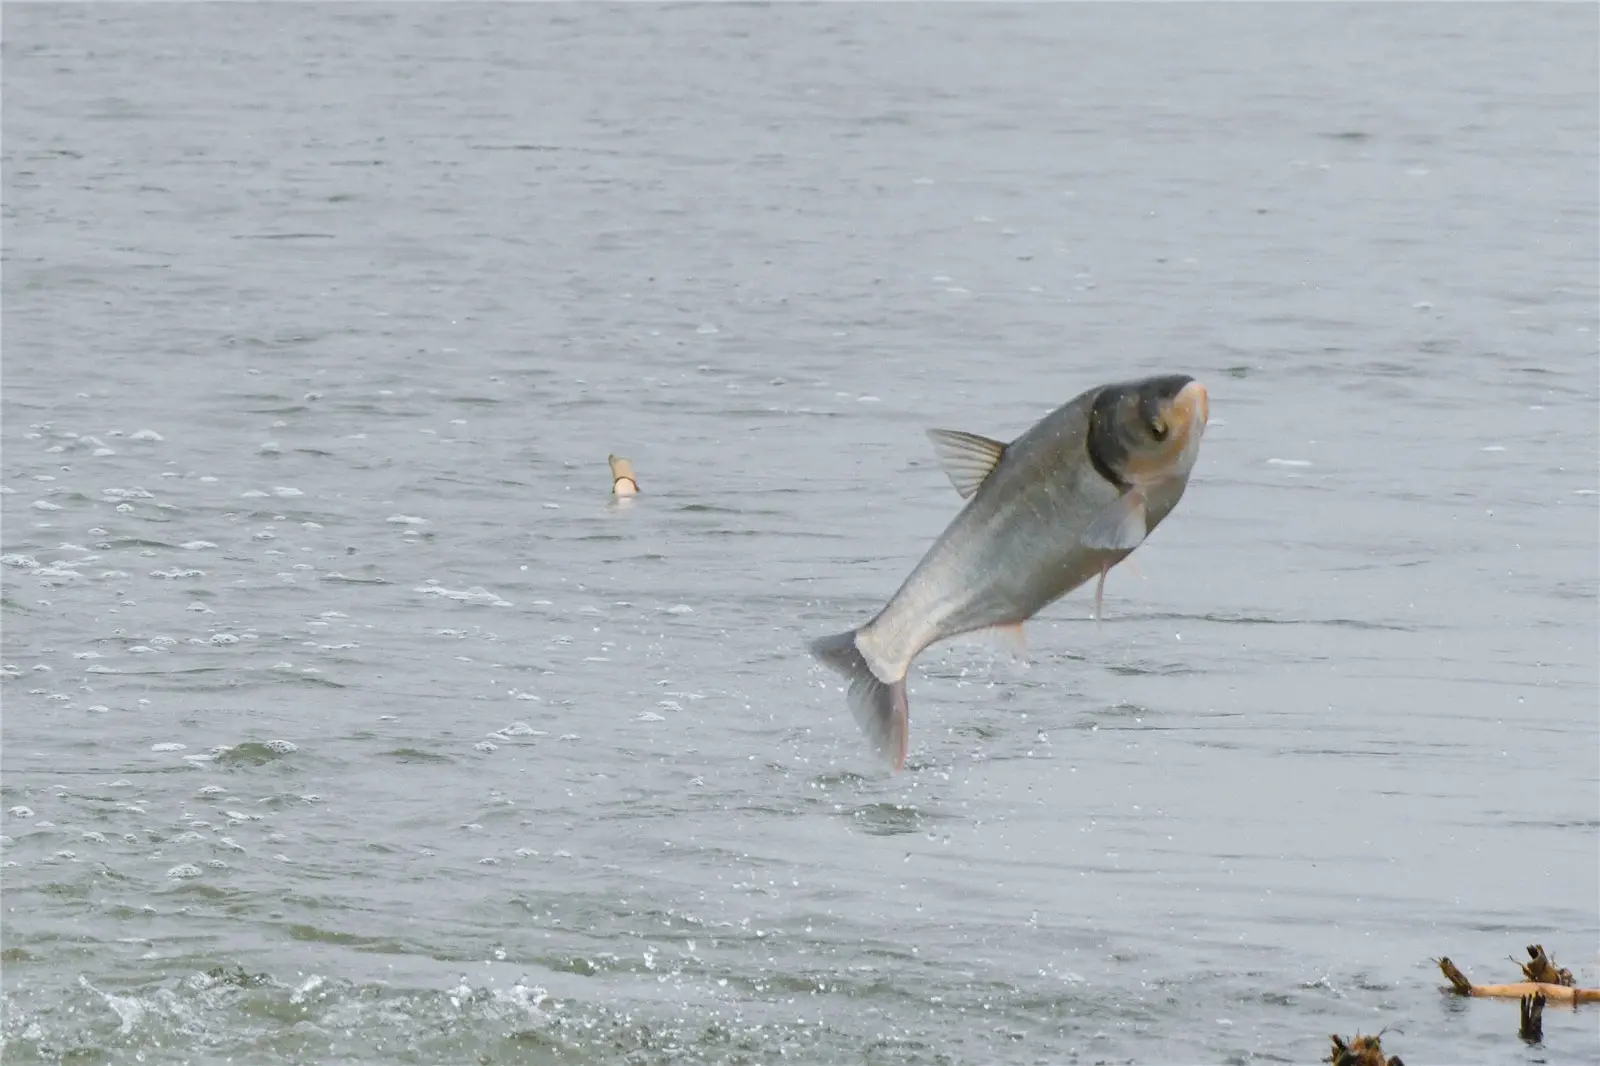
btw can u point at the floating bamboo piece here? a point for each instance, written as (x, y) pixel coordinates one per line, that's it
(623, 483)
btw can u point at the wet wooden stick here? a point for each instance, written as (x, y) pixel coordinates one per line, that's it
(1553, 993)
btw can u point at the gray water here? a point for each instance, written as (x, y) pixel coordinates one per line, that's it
(347, 719)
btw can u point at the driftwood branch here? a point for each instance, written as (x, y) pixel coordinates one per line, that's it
(1554, 993)
(1360, 1051)
(1541, 970)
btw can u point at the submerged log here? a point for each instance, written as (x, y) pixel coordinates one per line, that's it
(1360, 1051)
(1554, 993)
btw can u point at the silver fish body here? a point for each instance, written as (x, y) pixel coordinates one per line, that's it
(1066, 501)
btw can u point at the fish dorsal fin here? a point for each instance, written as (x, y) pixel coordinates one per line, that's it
(967, 458)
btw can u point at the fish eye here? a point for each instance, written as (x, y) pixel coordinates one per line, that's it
(1158, 429)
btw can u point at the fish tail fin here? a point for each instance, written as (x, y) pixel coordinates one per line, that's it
(880, 709)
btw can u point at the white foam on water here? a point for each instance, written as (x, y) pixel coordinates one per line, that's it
(475, 594)
(520, 729)
(130, 1010)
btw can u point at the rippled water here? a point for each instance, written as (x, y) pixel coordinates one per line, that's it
(347, 719)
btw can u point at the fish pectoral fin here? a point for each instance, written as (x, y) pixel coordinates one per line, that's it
(1121, 526)
(1010, 636)
(967, 459)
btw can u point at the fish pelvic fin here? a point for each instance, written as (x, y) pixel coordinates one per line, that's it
(1121, 526)
(1008, 637)
(880, 708)
(967, 459)
(1100, 594)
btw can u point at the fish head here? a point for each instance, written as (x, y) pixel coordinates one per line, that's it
(1148, 431)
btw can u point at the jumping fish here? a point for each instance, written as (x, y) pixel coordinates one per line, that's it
(1067, 500)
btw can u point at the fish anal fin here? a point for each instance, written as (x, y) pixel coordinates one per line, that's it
(1121, 526)
(966, 458)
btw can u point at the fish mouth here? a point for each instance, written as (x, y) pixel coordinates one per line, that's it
(1192, 406)
(1190, 411)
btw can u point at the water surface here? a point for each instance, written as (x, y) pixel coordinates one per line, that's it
(347, 720)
